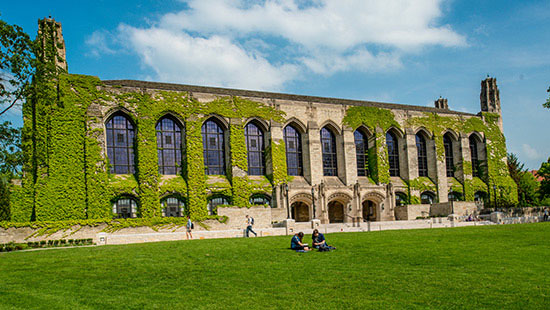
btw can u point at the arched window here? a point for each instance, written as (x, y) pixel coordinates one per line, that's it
(454, 196)
(427, 198)
(293, 144)
(328, 143)
(361, 152)
(125, 207)
(215, 201)
(475, 156)
(213, 145)
(400, 199)
(393, 154)
(422, 155)
(260, 200)
(120, 144)
(173, 207)
(169, 141)
(449, 156)
(255, 149)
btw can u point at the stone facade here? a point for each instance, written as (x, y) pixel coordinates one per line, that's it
(346, 196)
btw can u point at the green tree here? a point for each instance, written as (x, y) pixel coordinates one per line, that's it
(527, 184)
(17, 65)
(11, 160)
(547, 103)
(544, 172)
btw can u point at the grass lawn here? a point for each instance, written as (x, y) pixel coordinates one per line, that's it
(487, 267)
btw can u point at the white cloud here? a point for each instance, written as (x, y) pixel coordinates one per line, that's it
(263, 44)
(530, 152)
(99, 42)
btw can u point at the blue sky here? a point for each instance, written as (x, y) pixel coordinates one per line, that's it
(406, 51)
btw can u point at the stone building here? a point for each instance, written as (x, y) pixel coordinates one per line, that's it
(121, 148)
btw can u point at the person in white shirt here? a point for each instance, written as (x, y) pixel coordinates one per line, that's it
(249, 223)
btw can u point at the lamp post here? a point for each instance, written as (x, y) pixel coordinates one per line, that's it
(313, 200)
(287, 205)
(495, 196)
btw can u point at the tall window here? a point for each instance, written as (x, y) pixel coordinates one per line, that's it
(328, 143)
(449, 156)
(169, 141)
(427, 198)
(120, 144)
(475, 157)
(361, 151)
(173, 207)
(214, 202)
(422, 155)
(125, 208)
(259, 199)
(393, 154)
(293, 144)
(255, 149)
(213, 148)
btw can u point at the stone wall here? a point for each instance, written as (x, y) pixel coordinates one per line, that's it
(411, 212)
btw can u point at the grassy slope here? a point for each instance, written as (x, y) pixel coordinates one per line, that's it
(477, 267)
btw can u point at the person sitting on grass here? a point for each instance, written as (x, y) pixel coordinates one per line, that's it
(319, 241)
(296, 243)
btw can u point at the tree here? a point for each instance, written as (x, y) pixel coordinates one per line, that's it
(11, 160)
(17, 65)
(526, 182)
(547, 103)
(544, 172)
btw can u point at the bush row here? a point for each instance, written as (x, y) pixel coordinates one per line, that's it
(12, 246)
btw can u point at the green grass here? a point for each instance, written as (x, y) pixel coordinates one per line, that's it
(476, 267)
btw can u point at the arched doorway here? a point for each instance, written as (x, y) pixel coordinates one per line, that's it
(300, 211)
(335, 212)
(369, 210)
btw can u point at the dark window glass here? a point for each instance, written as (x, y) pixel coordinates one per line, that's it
(173, 207)
(328, 145)
(475, 157)
(255, 149)
(260, 199)
(293, 144)
(400, 199)
(454, 196)
(169, 142)
(120, 144)
(361, 151)
(213, 148)
(393, 154)
(422, 156)
(449, 155)
(427, 198)
(214, 202)
(125, 208)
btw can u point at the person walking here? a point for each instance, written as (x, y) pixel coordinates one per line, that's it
(249, 223)
(188, 228)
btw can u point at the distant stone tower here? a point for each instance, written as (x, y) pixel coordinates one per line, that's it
(53, 45)
(490, 97)
(441, 103)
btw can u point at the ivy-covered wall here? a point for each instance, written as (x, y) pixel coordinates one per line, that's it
(68, 177)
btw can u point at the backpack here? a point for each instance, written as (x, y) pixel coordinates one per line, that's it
(252, 220)
(192, 226)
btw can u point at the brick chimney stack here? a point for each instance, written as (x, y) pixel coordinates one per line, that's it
(441, 103)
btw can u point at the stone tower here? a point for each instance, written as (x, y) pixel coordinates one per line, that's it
(442, 103)
(53, 45)
(490, 98)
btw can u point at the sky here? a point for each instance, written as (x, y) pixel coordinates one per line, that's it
(399, 51)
